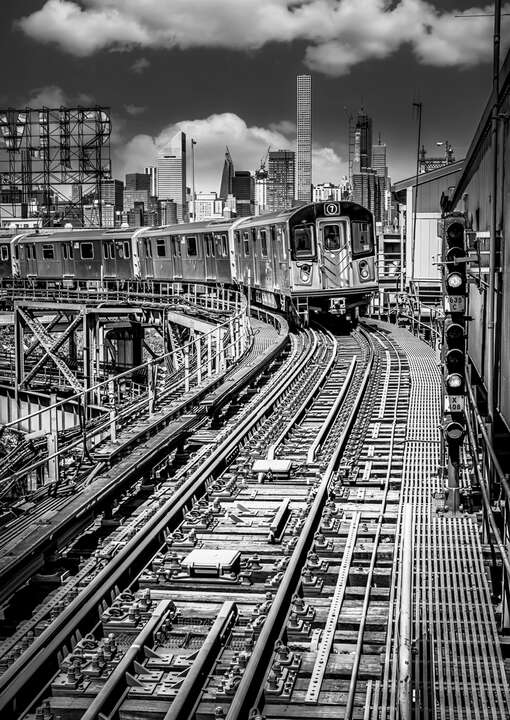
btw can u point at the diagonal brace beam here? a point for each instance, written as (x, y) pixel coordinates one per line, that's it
(57, 343)
(46, 342)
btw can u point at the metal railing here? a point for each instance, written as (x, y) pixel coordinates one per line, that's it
(88, 418)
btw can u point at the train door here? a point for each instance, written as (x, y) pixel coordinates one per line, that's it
(177, 244)
(257, 258)
(30, 258)
(147, 254)
(109, 259)
(266, 262)
(210, 256)
(67, 259)
(334, 259)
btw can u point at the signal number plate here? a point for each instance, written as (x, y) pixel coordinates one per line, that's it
(454, 403)
(455, 303)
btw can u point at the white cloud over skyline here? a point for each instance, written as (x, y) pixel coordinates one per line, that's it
(339, 33)
(247, 145)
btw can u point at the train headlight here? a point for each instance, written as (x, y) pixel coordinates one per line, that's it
(364, 270)
(304, 272)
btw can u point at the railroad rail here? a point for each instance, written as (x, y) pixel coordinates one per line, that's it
(298, 565)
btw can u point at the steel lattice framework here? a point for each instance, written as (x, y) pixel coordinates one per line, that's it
(53, 158)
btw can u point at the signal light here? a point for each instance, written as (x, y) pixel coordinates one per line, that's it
(454, 359)
(454, 431)
(455, 381)
(453, 331)
(454, 281)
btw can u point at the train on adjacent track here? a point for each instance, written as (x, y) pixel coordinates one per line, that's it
(314, 258)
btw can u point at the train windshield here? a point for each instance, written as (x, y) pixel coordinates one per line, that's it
(334, 236)
(303, 242)
(361, 238)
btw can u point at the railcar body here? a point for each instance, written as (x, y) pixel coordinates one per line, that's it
(191, 251)
(76, 255)
(317, 257)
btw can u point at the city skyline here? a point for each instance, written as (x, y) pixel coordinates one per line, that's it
(228, 90)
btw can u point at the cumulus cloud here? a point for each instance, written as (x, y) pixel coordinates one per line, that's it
(135, 109)
(139, 66)
(53, 96)
(247, 145)
(339, 33)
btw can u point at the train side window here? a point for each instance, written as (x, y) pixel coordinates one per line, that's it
(160, 247)
(334, 236)
(112, 250)
(105, 250)
(303, 242)
(87, 251)
(361, 238)
(149, 247)
(178, 248)
(48, 252)
(27, 253)
(4, 250)
(70, 253)
(16, 252)
(127, 249)
(224, 245)
(263, 242)
(246, 243)
(192, 246)
(207, 245)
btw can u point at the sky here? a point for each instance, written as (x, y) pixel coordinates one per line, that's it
(224, 71)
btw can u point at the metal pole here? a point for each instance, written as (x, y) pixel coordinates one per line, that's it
(406, 615)
(193, 143)
(415, 203)
(491, 310)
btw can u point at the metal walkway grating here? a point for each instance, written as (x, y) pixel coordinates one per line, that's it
(458, 667)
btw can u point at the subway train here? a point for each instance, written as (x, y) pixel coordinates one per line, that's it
(314, 258)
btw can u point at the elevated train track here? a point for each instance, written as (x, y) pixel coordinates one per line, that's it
(285, 571)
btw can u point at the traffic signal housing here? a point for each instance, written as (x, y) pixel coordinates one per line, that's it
(455, 287)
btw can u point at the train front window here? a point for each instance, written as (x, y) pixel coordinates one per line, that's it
(334, 237)
(48, 252)
(361, 238)
(303, 242)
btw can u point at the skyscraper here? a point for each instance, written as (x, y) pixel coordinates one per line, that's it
(362, 142)
(227, 176)
(243, 189)
(304, 138)
(281, 179)
(136, 190)
(152, 172)
(171, 174)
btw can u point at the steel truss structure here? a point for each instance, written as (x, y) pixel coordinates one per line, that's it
(51, 160)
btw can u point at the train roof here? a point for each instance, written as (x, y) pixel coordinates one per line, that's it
(216, 225)
(53, 235)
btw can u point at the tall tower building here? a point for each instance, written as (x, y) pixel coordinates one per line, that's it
(227, 176)
(171, 175)
(152, 172)
(362, 142)
(304, 138)
(243, 189)
(280, 180)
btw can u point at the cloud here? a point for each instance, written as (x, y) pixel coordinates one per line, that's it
(140, 65)
(135, 109)
(247, 145)
(339, 33)
(53, 96)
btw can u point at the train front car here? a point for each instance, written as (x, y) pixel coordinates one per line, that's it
(332, 256)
